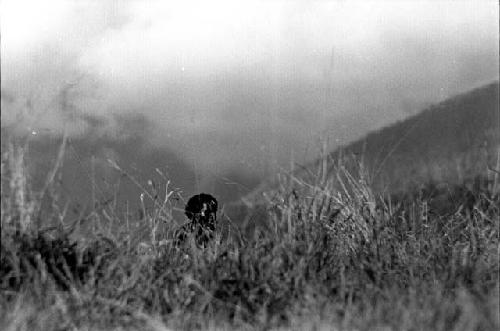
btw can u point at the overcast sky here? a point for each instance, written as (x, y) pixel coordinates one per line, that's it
(239, 83)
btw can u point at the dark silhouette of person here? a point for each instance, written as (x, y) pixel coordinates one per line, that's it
(201, 210)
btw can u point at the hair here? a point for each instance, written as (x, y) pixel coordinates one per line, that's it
(201, 210)
(195, 205)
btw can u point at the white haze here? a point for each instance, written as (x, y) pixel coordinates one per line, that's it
(239, 84)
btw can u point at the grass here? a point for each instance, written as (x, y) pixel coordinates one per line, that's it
(330, 255)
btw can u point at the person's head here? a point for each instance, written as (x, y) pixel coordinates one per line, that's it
(202, 209)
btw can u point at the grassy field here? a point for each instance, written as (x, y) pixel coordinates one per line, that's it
(330, 255)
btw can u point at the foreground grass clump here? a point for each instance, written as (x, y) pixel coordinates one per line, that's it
(331, 255)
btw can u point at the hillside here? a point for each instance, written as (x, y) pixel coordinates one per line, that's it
(449, 142)
(445, 142)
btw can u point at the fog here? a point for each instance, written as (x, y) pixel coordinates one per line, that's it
(238, 84)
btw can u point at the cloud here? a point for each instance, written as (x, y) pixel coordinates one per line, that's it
(228, 83)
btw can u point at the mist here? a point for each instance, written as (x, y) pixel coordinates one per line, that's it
(238, 87)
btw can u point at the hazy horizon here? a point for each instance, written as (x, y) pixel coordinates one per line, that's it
(238, 85)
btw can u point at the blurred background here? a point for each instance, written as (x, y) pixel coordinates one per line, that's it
(218, 96)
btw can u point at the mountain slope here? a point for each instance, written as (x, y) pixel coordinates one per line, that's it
(448, 142)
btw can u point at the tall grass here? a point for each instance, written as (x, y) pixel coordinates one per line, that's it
(330, 255)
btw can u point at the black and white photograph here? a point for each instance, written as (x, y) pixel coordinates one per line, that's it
(250, 165)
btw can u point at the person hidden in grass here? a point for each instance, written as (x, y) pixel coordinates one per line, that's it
(201, 210)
